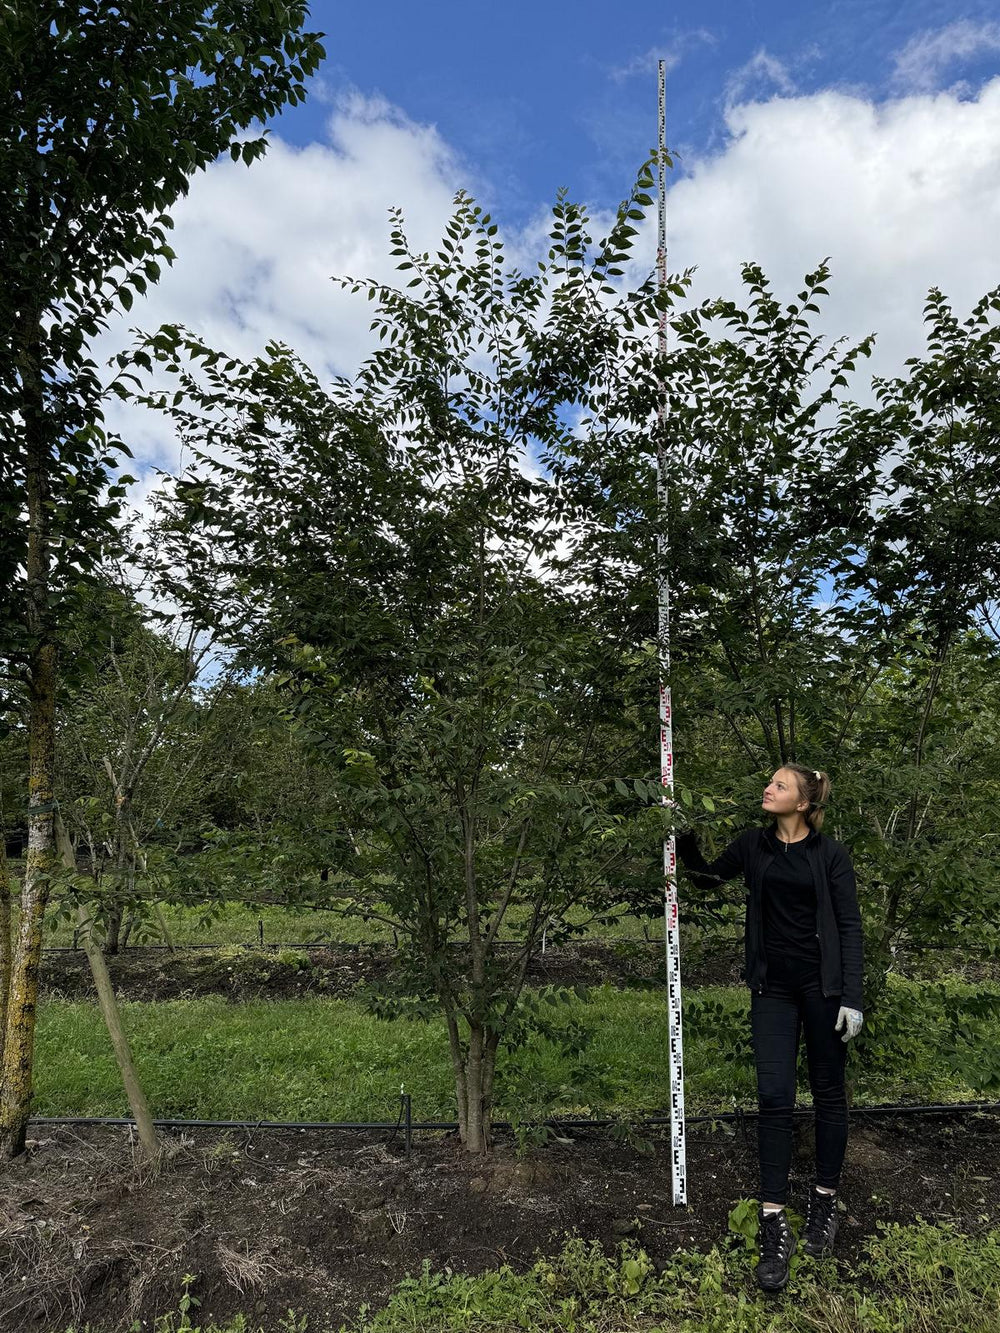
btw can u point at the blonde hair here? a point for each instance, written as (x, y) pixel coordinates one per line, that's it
(814, 787)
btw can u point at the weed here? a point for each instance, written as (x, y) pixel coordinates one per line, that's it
(297, 960)
(188, 1301)
(916, 1279)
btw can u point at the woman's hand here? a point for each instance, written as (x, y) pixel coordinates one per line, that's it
(850, 1020)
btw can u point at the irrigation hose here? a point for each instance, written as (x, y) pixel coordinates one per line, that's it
(901, 1109)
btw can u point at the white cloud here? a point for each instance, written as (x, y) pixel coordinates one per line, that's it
(672, 53)
(257, 247)
(645, 63)
(762, 74)
(918, 67)
(900, 196)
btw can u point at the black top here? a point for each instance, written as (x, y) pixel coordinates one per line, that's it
(838, 920)
(789, 906)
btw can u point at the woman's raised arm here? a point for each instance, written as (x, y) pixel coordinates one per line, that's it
(708, 874)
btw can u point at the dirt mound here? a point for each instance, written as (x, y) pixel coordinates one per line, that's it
(247, 973)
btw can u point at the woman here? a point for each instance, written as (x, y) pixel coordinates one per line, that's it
(803, 967)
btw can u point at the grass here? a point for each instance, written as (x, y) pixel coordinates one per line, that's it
(913, 1279)
(329, 1059)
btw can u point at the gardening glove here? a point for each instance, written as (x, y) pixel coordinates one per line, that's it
(851, 1020)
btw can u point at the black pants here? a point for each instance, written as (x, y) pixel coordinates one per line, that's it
(793, 1000)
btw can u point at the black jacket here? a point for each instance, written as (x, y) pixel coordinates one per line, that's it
(838, 921)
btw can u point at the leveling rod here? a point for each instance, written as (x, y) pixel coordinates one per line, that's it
(678, 1151)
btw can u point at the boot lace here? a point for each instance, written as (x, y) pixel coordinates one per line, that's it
(821, 1212)
(774, 1236)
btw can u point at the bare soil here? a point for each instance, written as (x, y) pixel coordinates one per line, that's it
(157, 974)
(252, 972)
(323, 1221)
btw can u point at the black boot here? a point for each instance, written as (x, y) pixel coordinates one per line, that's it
(776, 1245)
(821, 1224)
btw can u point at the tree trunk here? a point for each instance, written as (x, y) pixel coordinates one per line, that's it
(474, 1068)
(112, 930)
(109, 1009)
(15, 1074)
(128, 925)
(19, 1045)
(6, 957)
(458, 1066)
(476, 1116)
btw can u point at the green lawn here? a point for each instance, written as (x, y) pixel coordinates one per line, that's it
(320, 1059)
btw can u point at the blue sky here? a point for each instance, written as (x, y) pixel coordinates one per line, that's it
(537, 95)
(857, 130)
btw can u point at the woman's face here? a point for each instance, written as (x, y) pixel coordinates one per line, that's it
(782, 795)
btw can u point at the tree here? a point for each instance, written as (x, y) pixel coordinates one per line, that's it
(395, 553)
(925, 583)
(767, 500)
(105, 114)
(137, 739)
(836, 568)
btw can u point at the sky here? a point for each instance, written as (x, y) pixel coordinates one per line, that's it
(858, 130)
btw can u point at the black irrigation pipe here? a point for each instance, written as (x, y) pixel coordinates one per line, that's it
(331, 944)
(364, 944)
(738, 1117)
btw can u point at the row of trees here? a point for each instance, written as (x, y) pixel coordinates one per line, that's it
(433, 584)
(447, 565)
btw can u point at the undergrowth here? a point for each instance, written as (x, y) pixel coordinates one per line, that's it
(923, 1278)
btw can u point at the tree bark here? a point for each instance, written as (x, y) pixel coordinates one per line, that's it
(6, 954)
(19, 1046)
(458, 1067)
(110, 1011)
(478, 1110)
(474, 1067)
(18, 1054)
(477, 1131)
(113, 930)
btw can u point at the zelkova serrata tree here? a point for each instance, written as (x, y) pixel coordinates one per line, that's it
(395, 552)
(925, 583)
(839, 566)
(106, 111)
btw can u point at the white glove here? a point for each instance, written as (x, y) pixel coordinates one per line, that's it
(851, 1019)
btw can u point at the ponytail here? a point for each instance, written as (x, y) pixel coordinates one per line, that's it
(814, 787)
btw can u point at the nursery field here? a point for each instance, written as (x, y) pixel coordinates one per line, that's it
(571, 1229)
(394, 640)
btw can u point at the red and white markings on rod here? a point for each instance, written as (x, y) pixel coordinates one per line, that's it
(670, 908)
(671, 921)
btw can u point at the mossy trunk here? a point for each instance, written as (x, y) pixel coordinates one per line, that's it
(6, 944)
(22, 1000)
